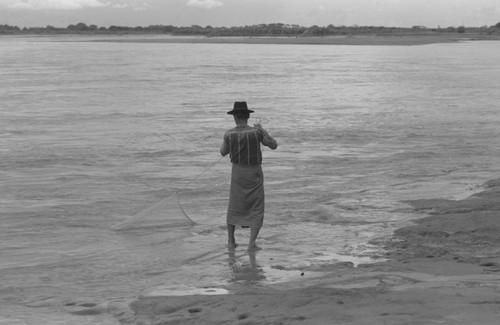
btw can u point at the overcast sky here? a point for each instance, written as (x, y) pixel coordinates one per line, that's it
(404, 13)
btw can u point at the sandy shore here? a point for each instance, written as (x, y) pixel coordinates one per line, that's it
(444, 269)
(388, 39)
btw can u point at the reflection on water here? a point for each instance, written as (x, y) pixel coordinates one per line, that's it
(247, 271)
(185, 291)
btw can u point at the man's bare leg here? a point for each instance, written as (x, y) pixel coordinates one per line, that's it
(231, 242)
(254, 232)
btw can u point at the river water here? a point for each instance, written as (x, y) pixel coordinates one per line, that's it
(93, 134)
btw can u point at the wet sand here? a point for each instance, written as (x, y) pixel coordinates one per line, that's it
(444, 269)
(368, 39)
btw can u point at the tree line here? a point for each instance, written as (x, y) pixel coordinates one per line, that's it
(276, 29)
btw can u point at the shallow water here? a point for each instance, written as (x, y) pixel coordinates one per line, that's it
(93, 133)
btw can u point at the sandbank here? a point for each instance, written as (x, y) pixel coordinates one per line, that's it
(367, 39)
(443, 269)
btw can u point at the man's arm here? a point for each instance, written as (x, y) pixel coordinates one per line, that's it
(267, 140)
(224, 149)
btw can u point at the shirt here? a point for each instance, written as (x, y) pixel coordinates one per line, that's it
(243, 145)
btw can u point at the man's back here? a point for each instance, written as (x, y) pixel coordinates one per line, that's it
(243, 145)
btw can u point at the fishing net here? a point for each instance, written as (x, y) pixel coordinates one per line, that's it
(171, 210)
(167, 212)
(155, 216)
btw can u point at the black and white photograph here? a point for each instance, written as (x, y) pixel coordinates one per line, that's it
(278, 162)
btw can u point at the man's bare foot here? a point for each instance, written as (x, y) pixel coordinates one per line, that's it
(232, 245)
(253, 248)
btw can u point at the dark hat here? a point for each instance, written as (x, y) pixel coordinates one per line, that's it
(240, 107)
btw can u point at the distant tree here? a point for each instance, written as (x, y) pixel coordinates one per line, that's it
(315, 31)
(114, 28)
(6, 29)
(330, 29)
(159, 29)
(80, 27)
(497, 25)
(461, 29)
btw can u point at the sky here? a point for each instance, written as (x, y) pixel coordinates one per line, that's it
(217, 13)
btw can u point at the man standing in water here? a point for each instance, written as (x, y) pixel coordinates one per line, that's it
(246, 197)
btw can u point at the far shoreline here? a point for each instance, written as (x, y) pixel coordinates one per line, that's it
(387, 39)
(392, 39)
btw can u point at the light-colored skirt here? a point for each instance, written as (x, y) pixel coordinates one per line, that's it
(246, 197)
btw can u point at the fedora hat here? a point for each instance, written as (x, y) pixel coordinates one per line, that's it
(240, 107)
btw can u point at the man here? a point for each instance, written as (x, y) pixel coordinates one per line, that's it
(246, 198)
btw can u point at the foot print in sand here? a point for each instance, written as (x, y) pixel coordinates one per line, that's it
(195, 310)
(242, 316)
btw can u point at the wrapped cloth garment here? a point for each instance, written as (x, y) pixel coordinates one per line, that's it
(246, 197)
